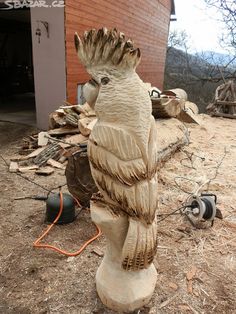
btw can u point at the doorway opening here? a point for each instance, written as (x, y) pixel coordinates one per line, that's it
(17, 98)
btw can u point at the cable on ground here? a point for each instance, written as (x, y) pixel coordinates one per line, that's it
(37, 243)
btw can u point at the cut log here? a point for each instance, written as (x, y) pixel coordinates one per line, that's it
(92, 124)
(176, 92)
(70, 111)
(83, 126)
(192, 106)
(77, 108)
(189, 114)
(56, 120)
(166, 108)
(63, 131)
(171, 136)
(71, 120)
(61, 142)
(76, 139)
(186, 115)
(60, 111)
(88, 111)
(84, 109)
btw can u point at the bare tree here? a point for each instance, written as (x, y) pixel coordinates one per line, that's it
(227, 10)
(178, 39)
(199, 74)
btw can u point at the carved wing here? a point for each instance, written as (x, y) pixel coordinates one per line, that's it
(120, 172)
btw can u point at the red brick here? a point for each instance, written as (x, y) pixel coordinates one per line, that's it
(145, 21)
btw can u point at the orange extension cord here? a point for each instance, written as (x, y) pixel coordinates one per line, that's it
(37, 243)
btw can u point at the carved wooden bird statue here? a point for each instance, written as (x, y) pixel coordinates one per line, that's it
(122, 146)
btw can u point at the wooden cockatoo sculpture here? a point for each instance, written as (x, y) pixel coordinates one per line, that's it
(122, 146)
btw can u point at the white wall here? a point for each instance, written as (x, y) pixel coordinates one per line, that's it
(49, 62)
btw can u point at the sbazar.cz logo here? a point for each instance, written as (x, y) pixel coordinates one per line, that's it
(20, 4)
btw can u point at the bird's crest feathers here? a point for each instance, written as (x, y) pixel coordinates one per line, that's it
(106, 48)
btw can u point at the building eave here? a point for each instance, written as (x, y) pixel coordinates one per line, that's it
(172, 7)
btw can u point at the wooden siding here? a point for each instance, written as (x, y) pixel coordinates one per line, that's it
(144, 21)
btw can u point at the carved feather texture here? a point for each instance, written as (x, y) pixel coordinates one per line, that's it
(126, 172)
(138, 201)
(124, 104)
(106, 48)
(122, 148)
(140, 245)
(114, 152)
(117, 140)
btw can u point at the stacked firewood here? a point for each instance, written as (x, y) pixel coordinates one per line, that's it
(72, 117)
(71, 125)
(224, 103)
(69, 128)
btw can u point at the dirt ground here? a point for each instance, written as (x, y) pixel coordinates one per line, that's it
(196, 267)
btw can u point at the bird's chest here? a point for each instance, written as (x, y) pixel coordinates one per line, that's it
(114, 140)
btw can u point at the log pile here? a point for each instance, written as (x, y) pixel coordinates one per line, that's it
(69, 129)
(174, 104)
(224, 103)
(163, 108)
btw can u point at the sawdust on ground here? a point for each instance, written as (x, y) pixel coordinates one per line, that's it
(196, 267)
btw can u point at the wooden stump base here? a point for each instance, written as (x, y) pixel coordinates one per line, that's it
(120, 290)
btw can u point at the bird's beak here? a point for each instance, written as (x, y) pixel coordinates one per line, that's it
(90, 92)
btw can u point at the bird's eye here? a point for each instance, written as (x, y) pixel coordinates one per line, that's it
(105, 80)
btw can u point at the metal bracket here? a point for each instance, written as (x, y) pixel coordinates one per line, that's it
(46, 25)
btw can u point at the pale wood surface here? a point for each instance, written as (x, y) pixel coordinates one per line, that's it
(166, 107)
(171, 135)
(63, 131)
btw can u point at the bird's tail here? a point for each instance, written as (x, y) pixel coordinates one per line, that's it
(140, 245)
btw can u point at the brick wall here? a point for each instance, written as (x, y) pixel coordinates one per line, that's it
(144, 21)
